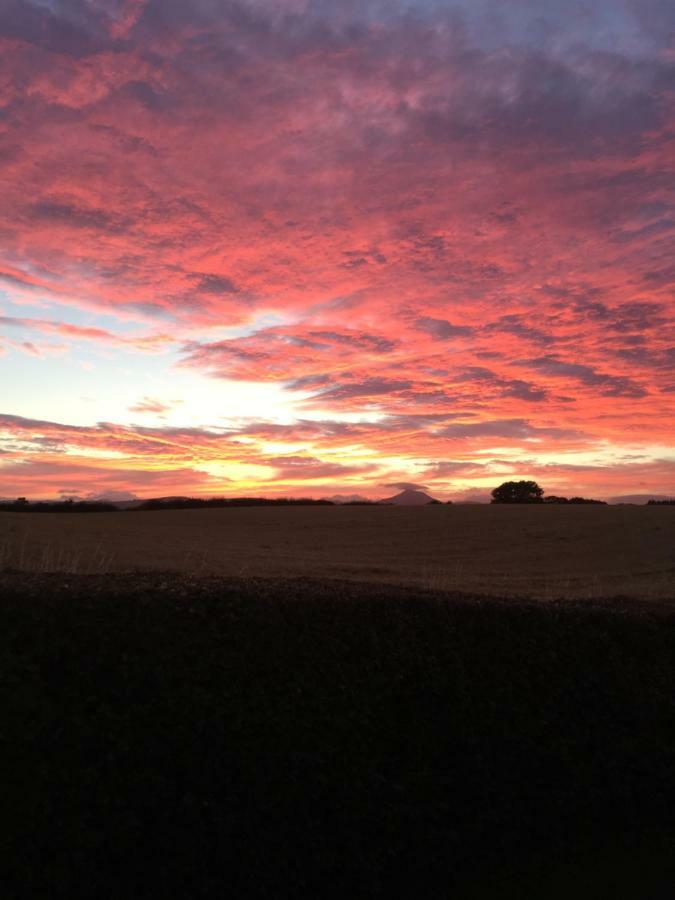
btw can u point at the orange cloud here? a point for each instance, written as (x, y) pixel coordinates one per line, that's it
(442, 238)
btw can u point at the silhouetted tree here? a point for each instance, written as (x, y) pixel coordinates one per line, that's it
(220, 502)
(553, 499)
(517, 492)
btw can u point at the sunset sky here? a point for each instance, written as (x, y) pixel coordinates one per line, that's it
(317, 248)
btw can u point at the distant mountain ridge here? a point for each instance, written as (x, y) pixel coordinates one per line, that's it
(409, 498)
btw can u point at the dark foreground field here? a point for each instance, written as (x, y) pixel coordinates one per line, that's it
(209, 738)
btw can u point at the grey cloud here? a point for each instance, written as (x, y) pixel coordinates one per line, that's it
(637, 316)
(308, 382)
(149, 96)
(15, 281)
(514, 387)
(369, 342)
(523, 390)
(77, 216)
(514, 324)
(441, 329)
(370, 387)
(518, 429)
(151, 309)
(609, 385)
(63, 26)
(216, 284)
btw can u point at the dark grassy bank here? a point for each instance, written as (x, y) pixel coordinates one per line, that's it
(170, 738)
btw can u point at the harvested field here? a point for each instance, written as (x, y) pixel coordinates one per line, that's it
(525, 551)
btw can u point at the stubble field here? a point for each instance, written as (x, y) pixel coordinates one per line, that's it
(521, 551)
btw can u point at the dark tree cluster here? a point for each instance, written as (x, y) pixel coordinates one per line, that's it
(220, 502)
(554, 499)
(518, 492)
(661, 502)
(530, 492)
(58, 506)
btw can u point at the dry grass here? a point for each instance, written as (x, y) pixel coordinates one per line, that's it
(542, 552)
(26, 555)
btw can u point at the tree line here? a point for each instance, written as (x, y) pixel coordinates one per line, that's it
(530, 492)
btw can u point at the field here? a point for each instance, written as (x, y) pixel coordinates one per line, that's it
(521, 551)
(327, 702)
(209, 738)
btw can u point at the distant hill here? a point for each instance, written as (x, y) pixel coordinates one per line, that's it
(409, 498)
(639, 499)
(342, 499)
(220, 502)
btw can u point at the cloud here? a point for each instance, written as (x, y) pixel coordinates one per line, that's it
(511, 429)
(74, 216)
(609, 385)
(154, 407)
(308, 469)
(216, 284)
(366, 389)
(453, 468)
(146, 343)
(431, 227)
(405, 486)
(504, 387)
(442, 330)
(518, 325)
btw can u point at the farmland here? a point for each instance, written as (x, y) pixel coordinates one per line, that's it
(521, 551)
(327, 702)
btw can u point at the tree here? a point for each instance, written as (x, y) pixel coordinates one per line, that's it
(517, 492)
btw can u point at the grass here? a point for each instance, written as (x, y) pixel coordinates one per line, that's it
(195, 737)
(54, 557)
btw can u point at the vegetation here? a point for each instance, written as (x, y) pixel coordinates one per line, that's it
(553, 499)
(530, 492)
(176, 738)
(661, 502)
(517, 492)
(223, 502)
(58, 506)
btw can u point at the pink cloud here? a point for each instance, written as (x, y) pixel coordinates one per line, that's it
(438, 221)
(147, 343)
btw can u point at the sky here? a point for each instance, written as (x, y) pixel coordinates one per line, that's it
(308, 248)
